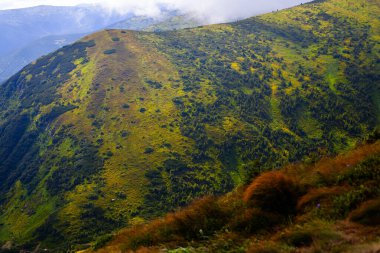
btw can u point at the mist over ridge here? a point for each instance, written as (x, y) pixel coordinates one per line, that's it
(212, 11)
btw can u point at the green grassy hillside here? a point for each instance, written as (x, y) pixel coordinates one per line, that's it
(123, 126)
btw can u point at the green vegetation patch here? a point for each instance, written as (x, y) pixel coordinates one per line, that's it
(110, 51)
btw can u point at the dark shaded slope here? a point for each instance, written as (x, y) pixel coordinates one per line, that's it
(22, 97)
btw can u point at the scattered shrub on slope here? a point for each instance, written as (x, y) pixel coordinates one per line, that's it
(273, 192)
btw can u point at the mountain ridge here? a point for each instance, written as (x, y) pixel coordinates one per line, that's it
(40, 36)
(124, 126)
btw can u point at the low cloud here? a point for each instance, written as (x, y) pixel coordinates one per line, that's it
(226, 10)
(213, 11)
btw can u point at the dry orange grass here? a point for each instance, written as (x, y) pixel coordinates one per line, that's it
(263, 205)
(254, 220)
(148, 250)
(368, 213)
(328, 168)
(263, 247)
(317, 195)
(202, 218)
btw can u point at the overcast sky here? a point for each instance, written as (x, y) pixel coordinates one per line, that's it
(214, 10)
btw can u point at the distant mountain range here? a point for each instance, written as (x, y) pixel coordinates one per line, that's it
(169, 20)
(29, 33)
(20, 27)
(13, 62)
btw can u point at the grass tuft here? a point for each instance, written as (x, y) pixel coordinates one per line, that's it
(273, 192)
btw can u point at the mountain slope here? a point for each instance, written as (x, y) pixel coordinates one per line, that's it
(124, 126)
(330, 206)
(33, 32)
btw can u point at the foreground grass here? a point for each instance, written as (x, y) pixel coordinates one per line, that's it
(330, 206)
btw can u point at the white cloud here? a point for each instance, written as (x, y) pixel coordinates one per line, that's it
(14, 4)
(229, 10)
(211, 10)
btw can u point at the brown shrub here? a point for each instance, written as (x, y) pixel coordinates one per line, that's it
(266, 247)
(273, 192)
(202, 218)
(367, 213)
(315, 196)
(254, 220)
(146, 235)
